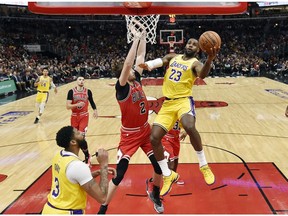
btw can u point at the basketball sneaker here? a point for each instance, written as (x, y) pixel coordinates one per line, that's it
(207, 174)
(149, 185)
(36, 120)
(158, 205)
(180, 182)
(167, 183)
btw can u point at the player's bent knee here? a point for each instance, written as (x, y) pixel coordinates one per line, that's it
(190, 129)
(155, 141)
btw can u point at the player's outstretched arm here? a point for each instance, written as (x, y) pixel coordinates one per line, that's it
(156, 63)
(129, 61)
(140, 57)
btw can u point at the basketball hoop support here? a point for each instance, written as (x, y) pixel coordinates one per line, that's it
(171, 46)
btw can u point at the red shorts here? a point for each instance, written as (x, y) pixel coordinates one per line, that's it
(131, 141)
(171, 147)
(80, 122)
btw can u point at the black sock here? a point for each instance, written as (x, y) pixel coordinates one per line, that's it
(103, 209)
(156, 195)
(156, 191)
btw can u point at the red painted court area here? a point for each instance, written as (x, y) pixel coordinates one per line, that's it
(252, 188)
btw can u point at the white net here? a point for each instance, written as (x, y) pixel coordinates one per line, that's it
(142, 26)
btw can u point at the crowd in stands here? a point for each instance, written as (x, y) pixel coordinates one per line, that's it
(90, 47)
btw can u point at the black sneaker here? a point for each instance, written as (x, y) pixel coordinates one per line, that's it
(158, 206)
(149, 185)
(103, 209)
(36, 120)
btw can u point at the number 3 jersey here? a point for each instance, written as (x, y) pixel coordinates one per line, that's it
(65, 194)
(179, 78)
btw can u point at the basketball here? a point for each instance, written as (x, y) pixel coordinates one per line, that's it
(208, 40)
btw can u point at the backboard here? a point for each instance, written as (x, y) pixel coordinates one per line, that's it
(137, 8)
(172, 35)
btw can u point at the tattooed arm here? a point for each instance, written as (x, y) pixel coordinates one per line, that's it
(99, 191)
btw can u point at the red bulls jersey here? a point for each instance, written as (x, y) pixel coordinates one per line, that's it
(134, 108)
(80, 96)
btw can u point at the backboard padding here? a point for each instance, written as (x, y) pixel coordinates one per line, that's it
(162, 8)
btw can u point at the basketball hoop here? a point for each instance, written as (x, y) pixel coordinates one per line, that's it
(139, 26)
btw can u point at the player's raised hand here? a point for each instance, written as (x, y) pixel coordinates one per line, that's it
(213, 52)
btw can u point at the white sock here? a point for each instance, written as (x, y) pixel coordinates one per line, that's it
(201, 158)
(164, 167)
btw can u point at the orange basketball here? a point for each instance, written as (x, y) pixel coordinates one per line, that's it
(208, 40)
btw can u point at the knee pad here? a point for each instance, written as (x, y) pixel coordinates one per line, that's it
(121, 168)
(155, 165)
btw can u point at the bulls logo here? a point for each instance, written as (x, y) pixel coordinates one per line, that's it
(79, 107)
(3, 177)
(156, 104)
(202, 104)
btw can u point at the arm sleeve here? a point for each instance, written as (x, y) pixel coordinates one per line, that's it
(70, 95)
(138, 77)
(121, 91)
(78, 172)
(90, 98)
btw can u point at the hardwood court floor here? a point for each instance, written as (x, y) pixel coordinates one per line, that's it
(252, 128)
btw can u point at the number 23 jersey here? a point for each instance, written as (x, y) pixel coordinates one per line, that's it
(179, 78)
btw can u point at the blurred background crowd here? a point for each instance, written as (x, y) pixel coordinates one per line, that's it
(253, 44)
